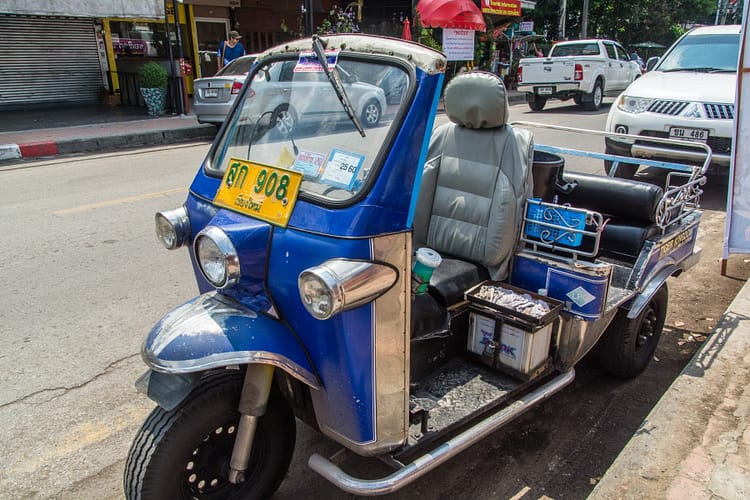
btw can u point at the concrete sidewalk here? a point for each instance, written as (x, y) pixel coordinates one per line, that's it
(83, 130)
(695, 443)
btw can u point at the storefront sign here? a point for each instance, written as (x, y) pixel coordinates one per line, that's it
(502, 7)
(131, 46)
(526, 26)
(458, 45)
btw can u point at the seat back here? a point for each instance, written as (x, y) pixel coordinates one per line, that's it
(477, 177)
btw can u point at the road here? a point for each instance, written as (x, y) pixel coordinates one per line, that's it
(85, 280)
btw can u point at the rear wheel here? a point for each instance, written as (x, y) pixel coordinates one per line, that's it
(284, 120)
(595, 98)
(627, 346)
(536, 102)
(371, 113)
(184, 453)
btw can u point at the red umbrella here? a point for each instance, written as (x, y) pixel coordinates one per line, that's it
(406, 35)
(462, 14)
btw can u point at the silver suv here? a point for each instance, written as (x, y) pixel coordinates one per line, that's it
(689, 95)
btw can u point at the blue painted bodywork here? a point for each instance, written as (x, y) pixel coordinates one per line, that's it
(338, 351)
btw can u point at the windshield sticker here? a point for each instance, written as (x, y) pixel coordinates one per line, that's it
(342, 168)
(308, 61)
(309, 163)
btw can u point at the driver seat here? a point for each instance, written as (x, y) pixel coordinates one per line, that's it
(474, 186)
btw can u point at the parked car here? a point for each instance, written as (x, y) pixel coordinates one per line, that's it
(295, 96)
(689, 95)
(584, 70)
(213, 96)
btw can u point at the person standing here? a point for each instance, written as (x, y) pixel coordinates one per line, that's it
(230, 49)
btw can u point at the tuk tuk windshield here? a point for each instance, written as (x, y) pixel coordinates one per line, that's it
(292, 118)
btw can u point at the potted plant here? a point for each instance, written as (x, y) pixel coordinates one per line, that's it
(153, 79)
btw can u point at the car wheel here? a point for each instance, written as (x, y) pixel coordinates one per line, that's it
(535, 102)
(284, 120)
(624, 170)
(371, 113)
(627, 346)
(597, 96)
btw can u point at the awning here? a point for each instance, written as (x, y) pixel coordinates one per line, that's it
(461, 14)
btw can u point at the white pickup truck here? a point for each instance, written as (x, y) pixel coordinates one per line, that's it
(584, 70)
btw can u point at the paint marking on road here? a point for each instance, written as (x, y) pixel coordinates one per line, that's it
(119, 201)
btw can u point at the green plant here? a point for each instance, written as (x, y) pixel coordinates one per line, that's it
(152, 76)
(338, 21)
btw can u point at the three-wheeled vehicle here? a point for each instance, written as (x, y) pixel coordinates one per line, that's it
(402, 290)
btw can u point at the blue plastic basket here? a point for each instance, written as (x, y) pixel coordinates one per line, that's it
(562, 226)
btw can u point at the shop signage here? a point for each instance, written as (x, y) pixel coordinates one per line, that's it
(502, 7)
(458, 45)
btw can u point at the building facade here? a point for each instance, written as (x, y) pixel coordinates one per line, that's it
(79, 52)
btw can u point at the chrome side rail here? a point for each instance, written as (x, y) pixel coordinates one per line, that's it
(434, 458)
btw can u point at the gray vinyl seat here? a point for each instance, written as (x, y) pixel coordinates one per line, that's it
(474, 186)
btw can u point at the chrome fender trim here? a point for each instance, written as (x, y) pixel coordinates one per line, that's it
(430, 460)
(215, 331)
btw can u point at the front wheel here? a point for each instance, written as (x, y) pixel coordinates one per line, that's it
(184, 453)
(535, 102)
(628, 345)
(595, 98)
(284, 120)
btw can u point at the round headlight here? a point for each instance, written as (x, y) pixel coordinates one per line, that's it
(320, 291)
(173, 227)
(217, 257)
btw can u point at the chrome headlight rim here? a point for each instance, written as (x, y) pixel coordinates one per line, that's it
(173, 227)
(229, 257)
(330, 282)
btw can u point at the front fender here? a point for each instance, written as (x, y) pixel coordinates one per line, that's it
(214, 331)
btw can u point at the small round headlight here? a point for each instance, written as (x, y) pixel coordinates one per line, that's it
(217, 257)
(173, 227)
(320, 292)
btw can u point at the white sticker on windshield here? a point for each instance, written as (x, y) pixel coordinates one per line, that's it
(308, 61)
(342, 168)
(309, 163)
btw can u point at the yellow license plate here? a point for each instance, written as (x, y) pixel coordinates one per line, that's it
(264, 192)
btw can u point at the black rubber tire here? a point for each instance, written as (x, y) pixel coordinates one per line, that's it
(175, 450)
(624, 170)
(535, 102)
(597, 97)
(284, 120)
(371, 113)
(627, 346)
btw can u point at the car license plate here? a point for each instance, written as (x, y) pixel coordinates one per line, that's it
(260, 191)
(545, 90)
(211, 93)
(688, 134)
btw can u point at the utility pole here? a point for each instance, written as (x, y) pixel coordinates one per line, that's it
(563, 13)
(585, 19)
(307, 11)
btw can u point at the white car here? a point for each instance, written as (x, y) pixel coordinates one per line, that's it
(688, 95)
(214, 96)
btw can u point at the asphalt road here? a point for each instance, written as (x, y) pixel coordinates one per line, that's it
(85, 280)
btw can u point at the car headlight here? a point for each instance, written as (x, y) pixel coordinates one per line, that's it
(173, 227)
(340, 284)
(217, 257)
(632, 104)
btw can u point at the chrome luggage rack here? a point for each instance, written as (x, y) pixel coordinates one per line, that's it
(561, 228)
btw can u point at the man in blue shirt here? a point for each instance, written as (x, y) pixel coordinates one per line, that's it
(230, 50)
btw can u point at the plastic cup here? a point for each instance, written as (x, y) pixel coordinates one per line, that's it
(425, 263)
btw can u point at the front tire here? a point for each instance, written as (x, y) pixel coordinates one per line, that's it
(628, 345)
(284, 120)
(595, 98)
(184, 453)
(535, 102)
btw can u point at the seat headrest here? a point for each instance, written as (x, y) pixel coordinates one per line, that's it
(476, 100)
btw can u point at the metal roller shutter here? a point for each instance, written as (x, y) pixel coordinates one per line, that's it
(48, 61)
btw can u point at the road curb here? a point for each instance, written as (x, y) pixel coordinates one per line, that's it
(105, 143)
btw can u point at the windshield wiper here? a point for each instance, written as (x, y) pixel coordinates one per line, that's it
(697, 70)
(338, 87)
